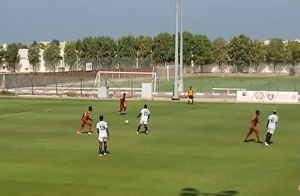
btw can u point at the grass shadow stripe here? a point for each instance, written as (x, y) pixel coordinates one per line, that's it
(22, 113)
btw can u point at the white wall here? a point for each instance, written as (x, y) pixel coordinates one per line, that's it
(25, 67)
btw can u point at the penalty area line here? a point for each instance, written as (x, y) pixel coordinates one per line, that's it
(22, 113)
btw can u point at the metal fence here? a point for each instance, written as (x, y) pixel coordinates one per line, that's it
(83, 83)
(54, 83)
(74, 82)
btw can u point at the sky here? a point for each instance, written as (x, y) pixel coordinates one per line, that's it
(69, 20)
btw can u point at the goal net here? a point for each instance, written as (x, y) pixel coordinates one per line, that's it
(165, 72)
(120, 81)
(170, 71)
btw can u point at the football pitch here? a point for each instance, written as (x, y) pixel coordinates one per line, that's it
(192, 150)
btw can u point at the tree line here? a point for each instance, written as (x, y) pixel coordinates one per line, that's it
(104, 51)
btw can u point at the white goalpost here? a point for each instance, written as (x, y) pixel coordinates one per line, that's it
(118, 78)
(170, 71)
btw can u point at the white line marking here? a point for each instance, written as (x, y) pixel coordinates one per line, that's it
(21, 113)
(231, 94)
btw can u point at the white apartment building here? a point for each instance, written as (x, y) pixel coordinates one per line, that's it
(25, 67)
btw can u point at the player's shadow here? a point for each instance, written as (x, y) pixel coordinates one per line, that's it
(86, 132)
(252, 140)
(195, 192)
(143, 132)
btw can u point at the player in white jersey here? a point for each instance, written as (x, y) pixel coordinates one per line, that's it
(144, 117)
(103, 134)
(271, 126)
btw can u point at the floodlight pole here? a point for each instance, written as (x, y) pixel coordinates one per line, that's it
(175, 94)
(181, 50)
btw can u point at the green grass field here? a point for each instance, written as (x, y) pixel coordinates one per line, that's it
(198, 147)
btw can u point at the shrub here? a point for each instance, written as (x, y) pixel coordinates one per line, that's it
(71, 94)
(7, 93)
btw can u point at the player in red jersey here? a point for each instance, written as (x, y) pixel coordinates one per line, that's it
(253, 127)
(123, 107)
(86, 121)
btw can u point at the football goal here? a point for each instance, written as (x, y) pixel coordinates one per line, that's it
(122, 80)
(170, 71)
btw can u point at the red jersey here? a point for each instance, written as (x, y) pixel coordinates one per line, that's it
(122, 100)
(254, 120)
(86, 115)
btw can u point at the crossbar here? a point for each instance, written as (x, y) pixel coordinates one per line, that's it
(98, 76)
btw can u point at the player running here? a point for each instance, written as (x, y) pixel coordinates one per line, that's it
(190, 95)
(145, 116)
(271, 125)
(123, 107)
(103, 135)
(253, 127)
(85, 121)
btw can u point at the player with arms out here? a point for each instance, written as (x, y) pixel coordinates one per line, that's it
(144, 117)
(271, 125)
(103, 135)
(85, 121)
(253, 127)
(123, 107)
(190, 95)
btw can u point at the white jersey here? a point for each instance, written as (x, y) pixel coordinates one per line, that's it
(102, 126)
(144, 114)
(273, 119)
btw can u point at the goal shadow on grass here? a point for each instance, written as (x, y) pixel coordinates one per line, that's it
(195, 192)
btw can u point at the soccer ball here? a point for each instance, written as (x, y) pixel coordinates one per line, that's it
(126, 121)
